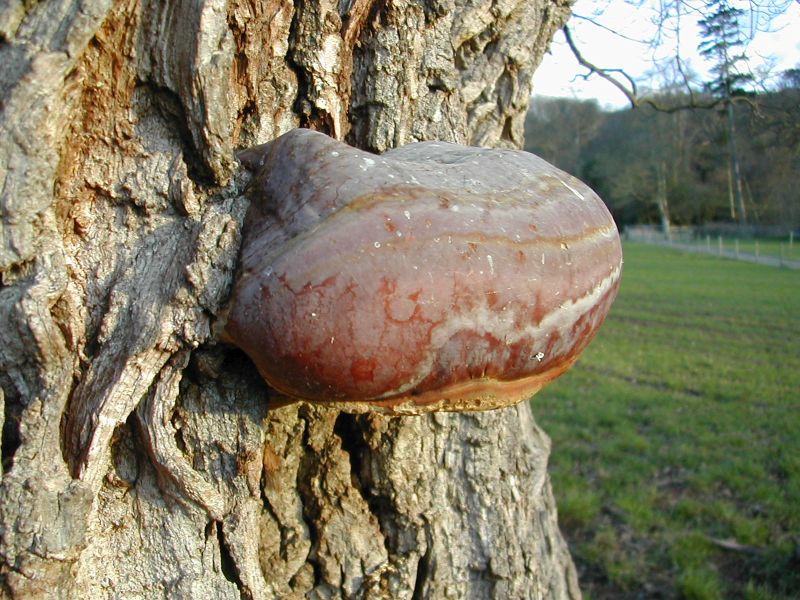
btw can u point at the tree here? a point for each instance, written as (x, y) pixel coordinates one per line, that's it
(723, 44)
(670, 69)
(558, 130)
(640, 161)
(652, 166)
(790, 79)
(770, 155)
(722, 39)
(142, 459)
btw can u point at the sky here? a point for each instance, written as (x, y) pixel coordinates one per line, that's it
(559, 73)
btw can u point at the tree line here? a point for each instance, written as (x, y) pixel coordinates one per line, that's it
(653, 166)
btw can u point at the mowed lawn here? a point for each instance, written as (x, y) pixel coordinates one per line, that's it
(676, 438)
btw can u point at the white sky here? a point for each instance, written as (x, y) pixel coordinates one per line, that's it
(559, 73)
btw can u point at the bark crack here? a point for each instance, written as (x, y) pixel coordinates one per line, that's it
(306, 498)
(172, 110)
(346, 428)
(303, 106)
(424, 565)
(226, 561)
(10, 440)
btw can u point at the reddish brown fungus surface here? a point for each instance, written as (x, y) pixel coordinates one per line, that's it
(432, 277)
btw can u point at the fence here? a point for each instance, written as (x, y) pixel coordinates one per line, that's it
(776, 253)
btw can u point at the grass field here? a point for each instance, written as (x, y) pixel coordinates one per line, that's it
(676, 438)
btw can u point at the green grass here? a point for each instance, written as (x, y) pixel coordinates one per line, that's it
(680, 427)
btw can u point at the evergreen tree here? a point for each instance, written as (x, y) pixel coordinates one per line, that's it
(722, 44)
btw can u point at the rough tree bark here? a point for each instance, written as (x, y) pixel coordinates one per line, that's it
(140, 458)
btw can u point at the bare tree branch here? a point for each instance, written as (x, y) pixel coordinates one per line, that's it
(609, 29)
(607, 74)
(668, 17)
(629, 90)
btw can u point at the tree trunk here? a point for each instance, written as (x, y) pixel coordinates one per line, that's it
(733, 157)
(141, 459)
(662, 201)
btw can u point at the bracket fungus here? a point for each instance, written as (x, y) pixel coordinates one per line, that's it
(432, 277)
